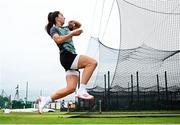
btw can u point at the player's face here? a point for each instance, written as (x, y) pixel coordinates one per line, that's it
(61, 18)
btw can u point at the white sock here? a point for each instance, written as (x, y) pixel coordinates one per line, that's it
(48, 99)
(82, 86)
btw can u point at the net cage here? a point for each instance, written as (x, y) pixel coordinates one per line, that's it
(144, 72)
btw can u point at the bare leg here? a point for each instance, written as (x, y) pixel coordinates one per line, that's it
(70, 88)
(89, 65)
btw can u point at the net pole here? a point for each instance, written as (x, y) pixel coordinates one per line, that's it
(137, 78)
(109, 89)
(158, 93)
(131, 89)
(166, 86)
(105, 100)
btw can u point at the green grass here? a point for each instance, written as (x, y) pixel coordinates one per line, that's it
(65, 118)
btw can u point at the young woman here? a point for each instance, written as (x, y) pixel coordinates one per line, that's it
(62, 36)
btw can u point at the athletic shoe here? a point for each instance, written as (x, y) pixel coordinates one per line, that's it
(41, 104)
(84, 95)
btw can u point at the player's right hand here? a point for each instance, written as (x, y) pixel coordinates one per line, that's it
(76, 32)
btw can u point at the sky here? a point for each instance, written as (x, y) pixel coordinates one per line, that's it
(28, 54)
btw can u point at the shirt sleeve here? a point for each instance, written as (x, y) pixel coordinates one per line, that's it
(53, 31)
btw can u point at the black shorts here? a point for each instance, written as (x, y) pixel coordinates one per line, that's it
(66, 59)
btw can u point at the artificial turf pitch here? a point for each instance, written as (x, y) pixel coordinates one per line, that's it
(143, 117)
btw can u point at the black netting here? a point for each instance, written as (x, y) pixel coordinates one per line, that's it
(145, 71)
(146, 61)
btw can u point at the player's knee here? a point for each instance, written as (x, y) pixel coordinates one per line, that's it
(94, 63)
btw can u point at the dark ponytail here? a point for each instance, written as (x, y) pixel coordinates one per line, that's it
(51, 20)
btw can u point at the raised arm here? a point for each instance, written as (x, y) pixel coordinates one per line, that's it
(61, 39)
